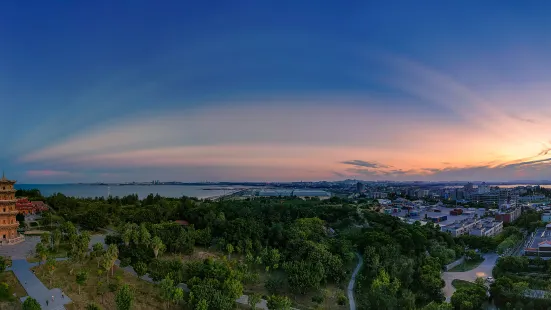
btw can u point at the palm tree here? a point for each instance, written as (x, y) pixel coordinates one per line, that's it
(157, 246)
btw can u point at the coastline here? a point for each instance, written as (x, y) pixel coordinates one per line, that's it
(170, 191)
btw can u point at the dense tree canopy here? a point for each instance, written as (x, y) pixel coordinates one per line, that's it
(301, 245)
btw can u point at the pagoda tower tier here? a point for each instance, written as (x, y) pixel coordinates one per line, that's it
(8, 223)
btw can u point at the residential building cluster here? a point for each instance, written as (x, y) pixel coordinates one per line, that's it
(456, 221)
(481, 194)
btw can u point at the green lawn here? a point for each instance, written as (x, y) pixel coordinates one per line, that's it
(461, 283)
(467, 265)
(10, 301)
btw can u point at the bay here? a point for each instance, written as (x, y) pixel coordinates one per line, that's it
(88, 190)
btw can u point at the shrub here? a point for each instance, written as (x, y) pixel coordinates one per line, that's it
(341, 299)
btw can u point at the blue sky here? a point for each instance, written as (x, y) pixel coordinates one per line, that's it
(137, 90)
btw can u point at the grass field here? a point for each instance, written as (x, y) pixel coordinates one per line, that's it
(467, 265)
(15, 287)
(146, 295)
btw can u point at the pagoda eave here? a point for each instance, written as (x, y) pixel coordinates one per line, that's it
(7, 202)
(8, 226)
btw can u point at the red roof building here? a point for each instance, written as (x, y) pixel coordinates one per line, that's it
(24, 206)
(182, 222)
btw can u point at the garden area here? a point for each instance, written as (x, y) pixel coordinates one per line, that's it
(89, 284)
(10, 288)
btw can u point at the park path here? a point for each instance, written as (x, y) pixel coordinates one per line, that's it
(483, 270)
(352, 282)
(36, 289)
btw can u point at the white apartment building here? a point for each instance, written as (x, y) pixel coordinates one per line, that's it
(487, 227)
(462, 227)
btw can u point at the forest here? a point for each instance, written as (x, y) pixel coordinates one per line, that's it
(289, 251)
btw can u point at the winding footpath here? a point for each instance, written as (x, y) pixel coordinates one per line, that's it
(353, 282)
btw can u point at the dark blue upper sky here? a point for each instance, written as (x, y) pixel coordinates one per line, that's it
(70, 68)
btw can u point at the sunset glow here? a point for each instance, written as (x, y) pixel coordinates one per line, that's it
(383, 99)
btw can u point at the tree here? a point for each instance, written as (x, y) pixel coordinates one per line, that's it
(82, 277)
(254, 299)
(157, 246)
(144, 235)
(383, 292)
(127, 232)
(469, 297)
(70, 231)
(202, 305)
(50, 266)
(177, 295)
(109, 258)
(97, 252)
(5, 291)
(31, 304)
(480, 281)
(45, 239)
(436, 306)
(229, 249)
(3, 263)
(471, 255)
(140, 268)
(304, 276)
(124, 298)
(279, 303)
(79, 247)
(56, 238)
(41, 251)
(167, 287)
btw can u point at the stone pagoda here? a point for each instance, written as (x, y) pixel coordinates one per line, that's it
(8, 223)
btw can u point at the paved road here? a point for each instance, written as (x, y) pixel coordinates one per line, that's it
(483, 270)
(35, 288)
(352, 282)
(21, 250)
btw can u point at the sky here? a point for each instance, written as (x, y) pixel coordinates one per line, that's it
(116, 91)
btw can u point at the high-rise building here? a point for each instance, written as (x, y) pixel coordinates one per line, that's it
(483, 188)
(360, 187)
(8, 223)
(468, 187)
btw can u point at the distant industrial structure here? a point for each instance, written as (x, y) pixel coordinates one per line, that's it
(301, 193)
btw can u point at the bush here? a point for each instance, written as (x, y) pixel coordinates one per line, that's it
(113, 287)
(112, 239)
(31, 304)
(274, 285)
(4, 291)
(341, 299)
(317, 299)
(125, 262)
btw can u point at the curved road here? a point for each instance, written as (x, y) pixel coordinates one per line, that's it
(353, 281)
(483, 270)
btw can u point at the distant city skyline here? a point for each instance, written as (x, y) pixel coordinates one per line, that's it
(249, 91)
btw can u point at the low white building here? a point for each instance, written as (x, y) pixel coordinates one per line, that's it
(487, 227)
(462, 227)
